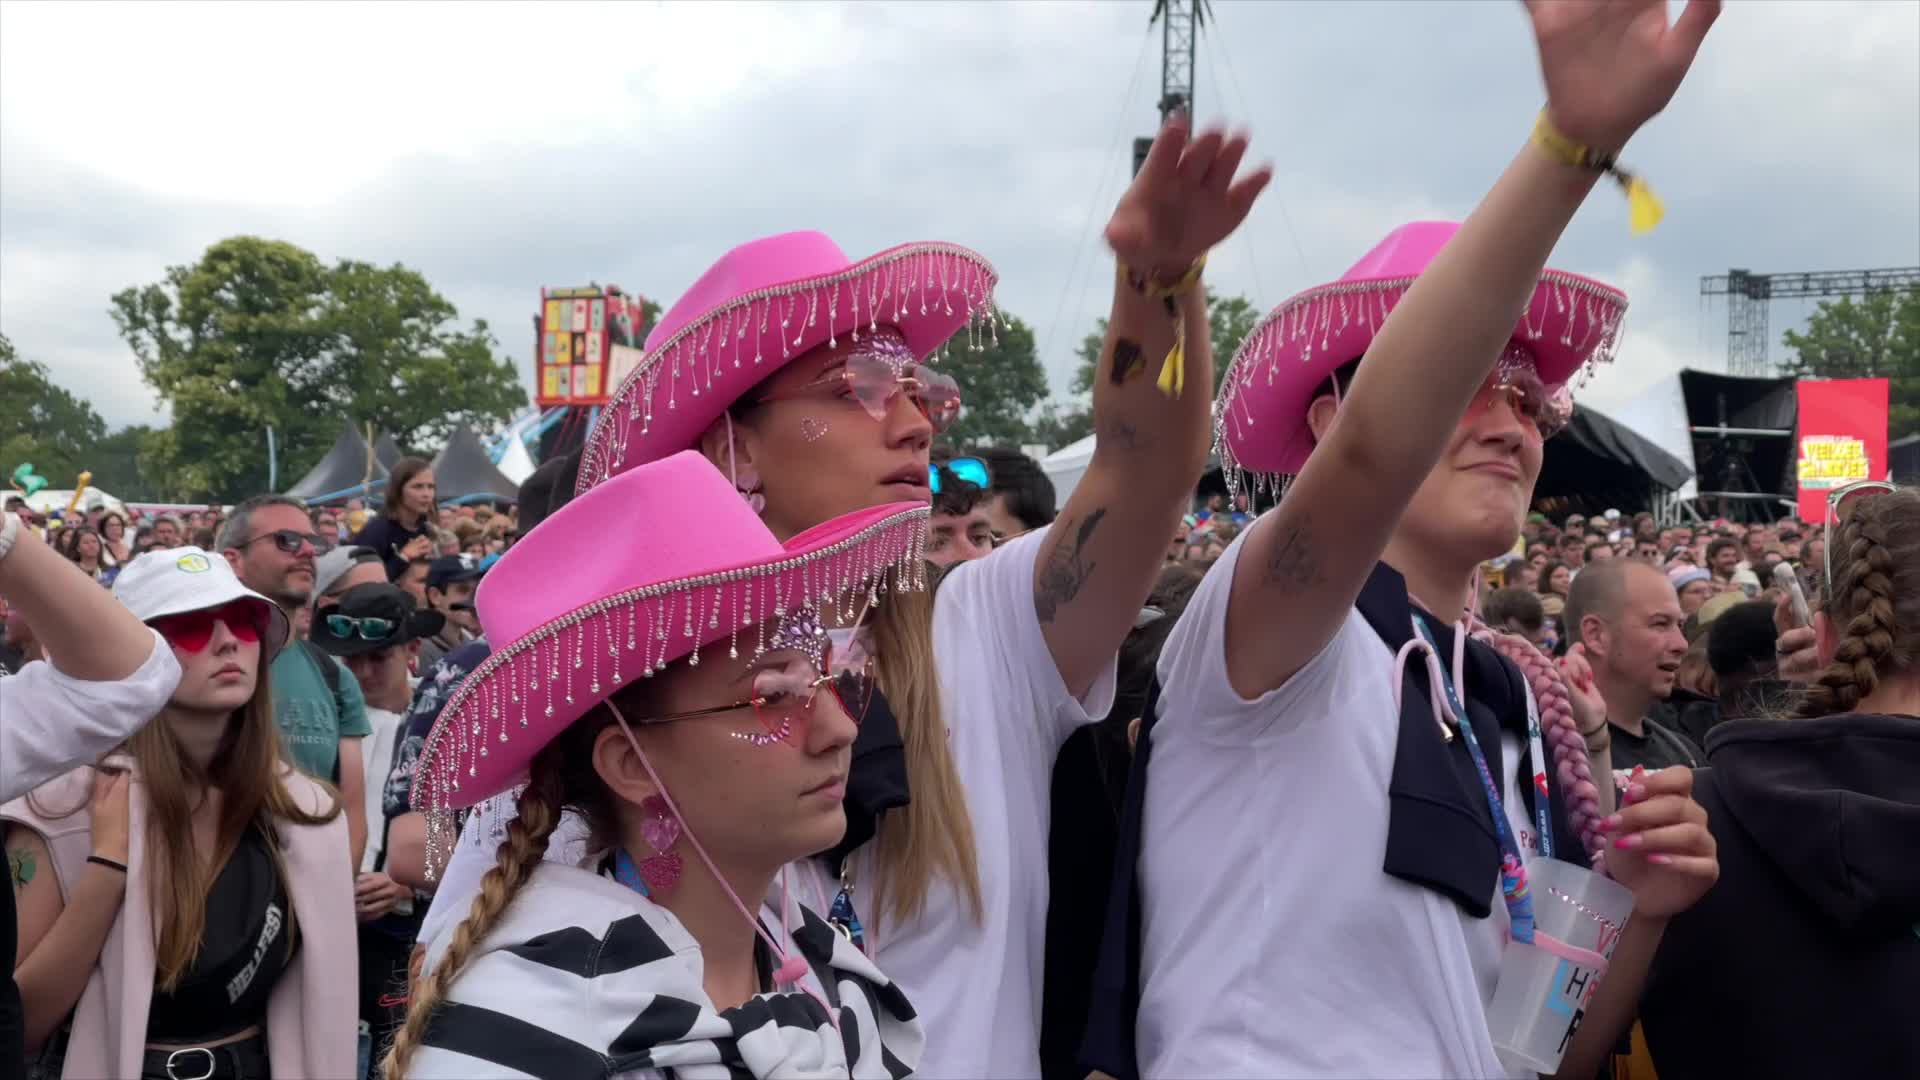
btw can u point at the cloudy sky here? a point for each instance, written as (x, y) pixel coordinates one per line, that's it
(499, 147)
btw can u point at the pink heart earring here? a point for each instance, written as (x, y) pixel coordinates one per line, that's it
(661, 871)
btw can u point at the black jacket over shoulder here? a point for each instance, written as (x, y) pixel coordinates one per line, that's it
(1804, 960)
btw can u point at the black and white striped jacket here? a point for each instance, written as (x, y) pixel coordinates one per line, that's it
(582, 977)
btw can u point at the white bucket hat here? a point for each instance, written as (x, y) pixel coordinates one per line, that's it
(178, 580)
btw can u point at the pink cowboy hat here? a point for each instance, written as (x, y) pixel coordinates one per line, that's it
(763, 304)
(572, 617)
(1571, 324)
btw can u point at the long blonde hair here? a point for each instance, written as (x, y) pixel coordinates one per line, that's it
(932, 836)
(247, 769)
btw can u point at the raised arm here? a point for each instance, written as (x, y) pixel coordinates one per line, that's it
(1100, 559)
(1610, 65)
(108, 674)
(89, 634)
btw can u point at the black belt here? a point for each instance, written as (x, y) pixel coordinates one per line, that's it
(243, 1060)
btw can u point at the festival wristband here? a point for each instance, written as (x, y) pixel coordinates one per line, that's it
(1173, 370)
(1643, 207)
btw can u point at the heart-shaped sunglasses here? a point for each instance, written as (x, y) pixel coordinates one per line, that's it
(190, 631)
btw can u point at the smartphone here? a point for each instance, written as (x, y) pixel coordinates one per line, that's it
(1785, 577)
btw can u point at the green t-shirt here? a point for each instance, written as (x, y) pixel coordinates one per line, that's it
(311, 724)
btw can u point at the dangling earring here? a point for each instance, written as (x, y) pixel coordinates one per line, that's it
(748, 483)
(660, 871)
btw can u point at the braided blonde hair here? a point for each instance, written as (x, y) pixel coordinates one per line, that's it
(1874, 600)
(520, 853)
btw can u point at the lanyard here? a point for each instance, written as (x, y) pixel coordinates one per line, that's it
(1513, 873)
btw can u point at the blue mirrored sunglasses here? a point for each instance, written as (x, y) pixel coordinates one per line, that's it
(970, 469)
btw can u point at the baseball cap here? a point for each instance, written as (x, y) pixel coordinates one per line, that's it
(175, 581)
(334, 565)
(449, 569)
(372, 617)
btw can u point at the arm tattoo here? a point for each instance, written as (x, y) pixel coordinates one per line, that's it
(1127, 361)
(1119, 435)
(21, 866)
(1059, 579)
(1296, 566)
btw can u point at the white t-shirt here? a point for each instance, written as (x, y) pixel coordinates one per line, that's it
(376, 752)
(1273, 943)
(977, 987)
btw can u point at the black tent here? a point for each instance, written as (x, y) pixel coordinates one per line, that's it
(1903, 455)
(343, 471)
(1598, 463)
(1743, 445)
(464, 471)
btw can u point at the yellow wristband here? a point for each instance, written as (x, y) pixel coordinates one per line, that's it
(1173, 370)
(1644, 210)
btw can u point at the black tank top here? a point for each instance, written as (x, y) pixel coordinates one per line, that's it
(247, 945)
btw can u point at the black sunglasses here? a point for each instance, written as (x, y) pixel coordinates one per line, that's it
(289, 541)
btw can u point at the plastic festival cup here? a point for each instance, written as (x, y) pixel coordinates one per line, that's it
(1545, 987)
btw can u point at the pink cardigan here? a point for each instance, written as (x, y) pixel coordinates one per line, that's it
(313, 1015)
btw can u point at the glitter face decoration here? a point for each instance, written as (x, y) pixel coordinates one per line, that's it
(886, 345)
(1517, 377)
(812, 429)
(802, 631)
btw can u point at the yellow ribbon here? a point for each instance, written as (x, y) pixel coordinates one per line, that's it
(1644, 209)
(1173, 370)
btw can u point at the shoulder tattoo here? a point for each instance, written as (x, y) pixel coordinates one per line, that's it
(21, 866)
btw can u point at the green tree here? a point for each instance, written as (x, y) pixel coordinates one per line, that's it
(115, 461)
(1877, 336)
(403, 365)
(43, 424)
(1001, 383)
(1229, 320)
(261, 334)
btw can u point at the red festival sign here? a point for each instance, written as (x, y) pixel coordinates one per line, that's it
(1842, 438)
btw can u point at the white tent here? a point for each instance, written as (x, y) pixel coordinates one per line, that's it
(48, 500)
(516, 464)
(1065, 467)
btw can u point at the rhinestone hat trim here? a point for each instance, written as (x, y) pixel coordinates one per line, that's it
(696, 354)
(1594, 316)
(644, 629)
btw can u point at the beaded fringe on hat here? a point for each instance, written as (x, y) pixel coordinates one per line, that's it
(589, 653)
(1590, 316)
(891, 290)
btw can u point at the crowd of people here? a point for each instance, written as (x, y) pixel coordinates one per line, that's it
(765, 735)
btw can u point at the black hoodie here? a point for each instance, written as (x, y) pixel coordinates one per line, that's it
(1804, 960)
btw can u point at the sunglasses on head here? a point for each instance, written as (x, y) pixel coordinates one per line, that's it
(972, 470)
(366, 627)
(1837, 502)
(289, 541)
(190, 631)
